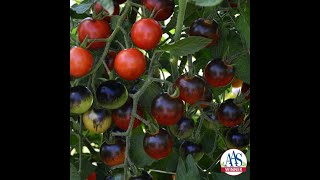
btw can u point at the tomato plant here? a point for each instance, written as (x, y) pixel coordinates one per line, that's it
(153, 88)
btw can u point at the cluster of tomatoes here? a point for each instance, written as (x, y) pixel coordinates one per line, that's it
(115, 104)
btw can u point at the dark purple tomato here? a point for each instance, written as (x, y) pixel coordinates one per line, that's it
(205, 28)
(163, 8)
(183, 129)
(218, 73)
(230, 114)
(188, 147)
(191, 89)
(235, 139)
(113, 154)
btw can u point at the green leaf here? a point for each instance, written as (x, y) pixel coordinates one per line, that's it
(207, 2)
(150, 93)
(248, 155)
(218, 91)
(113, 21)
(202, 58)
(187, 170)
(169, 163)
(209, 141)
(222, 176)
(242, 68)
(107, 4)
(74, 175)
(165, 61)
(139, 157)
(187, 46)
(81, 8)
(243, 24)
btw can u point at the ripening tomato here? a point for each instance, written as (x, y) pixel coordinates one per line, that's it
(188, 147)
(81, 99)
(205, 28)
(146, 33)
(130, 64)
(191, 89)
(218, 73)
(230, 114)
(183, 129)
(116, 11)
(111, 94)
(97, 120)
(94, 29)
(158, 146)
(163, 8)
(236, 83)
(92, 176)
(81, 61)
(235, 139)
(122, 115)
(166, 110)
(113, 154)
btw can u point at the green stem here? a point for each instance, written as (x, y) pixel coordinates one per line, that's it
(125, 35)
(177, 35)
(80, 148)
(190, 66)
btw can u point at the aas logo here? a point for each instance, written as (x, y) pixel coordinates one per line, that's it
(233, 162)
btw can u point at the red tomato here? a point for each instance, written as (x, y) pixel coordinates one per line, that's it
(130, 64)
(81, 61)
(146, 33)
(122, 115)
(191, 89)
(163, 8)
(95, 29)
(158, 146)
(113, 154)
(116, 11)
(218, 74)
(230, 114)
(92, 176)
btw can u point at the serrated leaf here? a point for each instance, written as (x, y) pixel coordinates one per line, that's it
(243, 24)
(242, 68)
(74, 175)
(137, 153)
(81, 8)
(107, 4)
(187, 46)
(207, 2)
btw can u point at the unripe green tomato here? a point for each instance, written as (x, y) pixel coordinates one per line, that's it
(81, 99)
(97, 120)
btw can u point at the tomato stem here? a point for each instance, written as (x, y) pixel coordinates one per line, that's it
(80, 147)
(190, 66)
(125, 35)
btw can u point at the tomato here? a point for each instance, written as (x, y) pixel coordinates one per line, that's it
(206, 97)
(158, 146)
(236, 83)
(116, 11)
(183, 129)
(130, 64)
(218, 74)
(191, 89)
(188, 147)
(230, 114)
(95, 29)
(235, 139)
(111, 94)
(81, 61)
(144, 176)
(113, 154)
(92, 176)
(166, 110)
(97, 120)
(163, 8)
(245, 88)
(122, 115)
(205, 28)
(146, 33)
(120, 1)
(81, 99)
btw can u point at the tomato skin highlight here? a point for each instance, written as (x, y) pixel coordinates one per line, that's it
(130, 64)
(97, 120)
(191, 89)
(166, 110)
(122, 115)
(163, 8)
(81, 99)
(218, 74)
(95, 29)
(146, 33)
(113, 154)
(111, 94)
(235, 139)
(188, 147)
(183, 129)
(116, 11)
(158, 146)
(81, 61)
(205, 28)
(230, 114)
